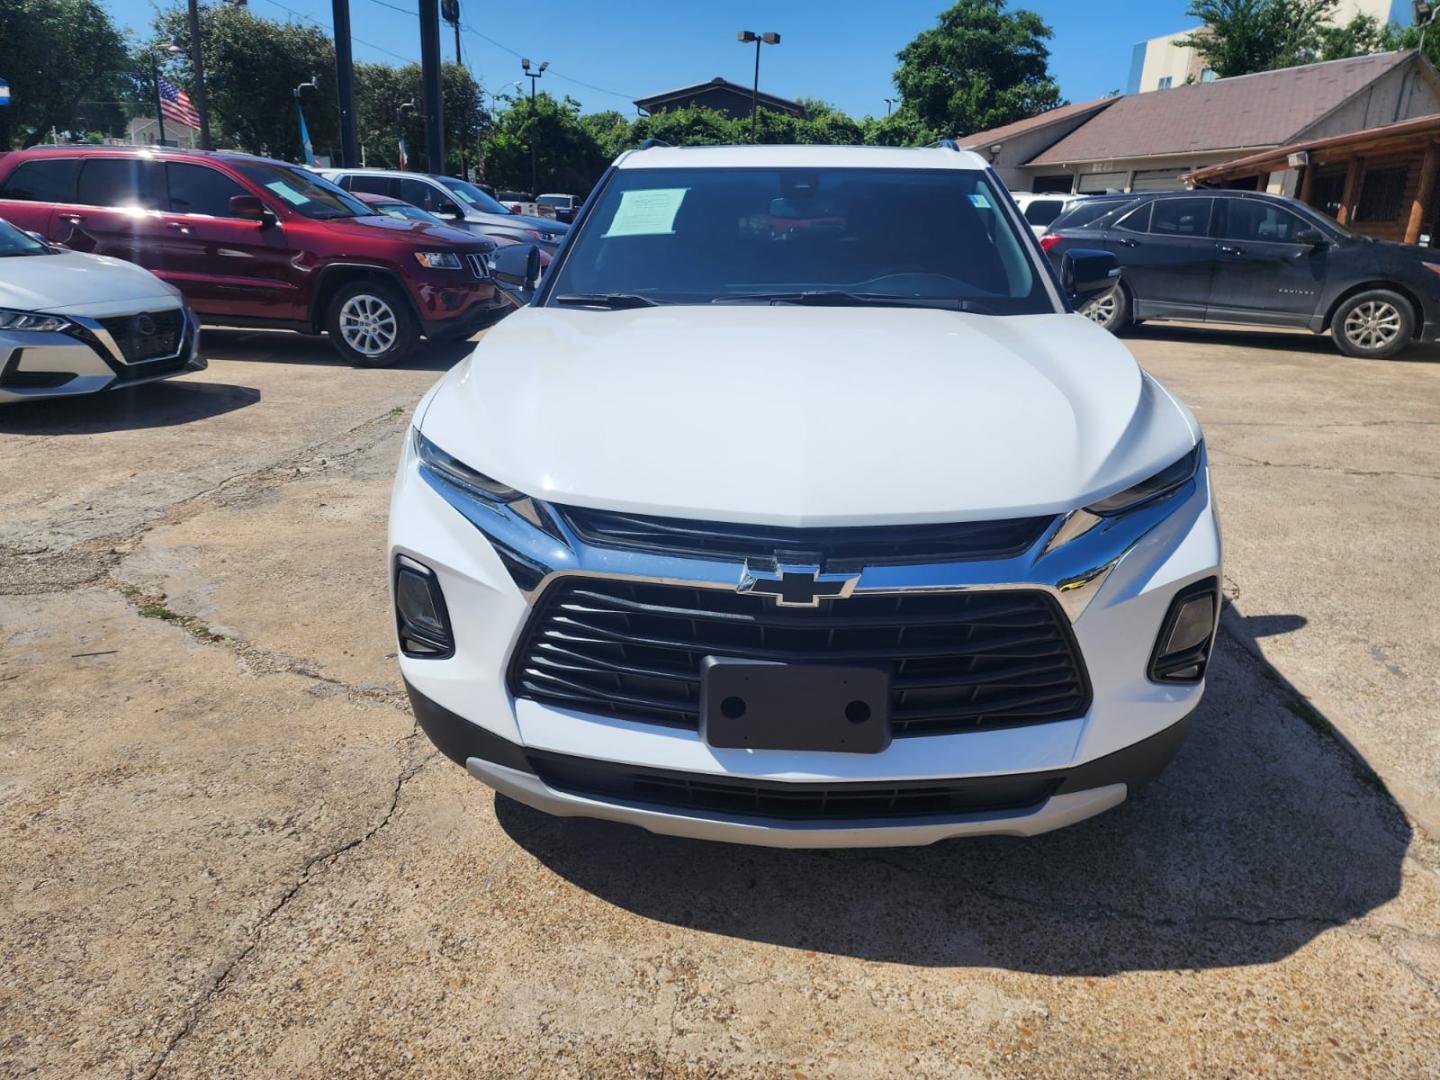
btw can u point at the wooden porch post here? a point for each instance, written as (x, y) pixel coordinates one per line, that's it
(1307, 184)
(1422, 194)
(1352, 184)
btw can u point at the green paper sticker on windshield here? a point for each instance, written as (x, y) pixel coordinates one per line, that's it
(286, 192)
(647, 213)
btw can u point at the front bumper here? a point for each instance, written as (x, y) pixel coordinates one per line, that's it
(1114, 582)
(55, 364)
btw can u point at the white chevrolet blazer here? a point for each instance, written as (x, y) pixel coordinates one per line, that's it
(771, 519)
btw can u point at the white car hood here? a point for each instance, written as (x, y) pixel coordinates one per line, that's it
(71, 283)
(793, 415)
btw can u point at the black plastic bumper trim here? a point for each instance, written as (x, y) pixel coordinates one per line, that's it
(1134, 766)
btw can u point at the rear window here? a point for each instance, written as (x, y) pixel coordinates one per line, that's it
(1043, 211)
(1181, 217)
(370, 185)
(43, 180)
(1086, 211)
(121, 181)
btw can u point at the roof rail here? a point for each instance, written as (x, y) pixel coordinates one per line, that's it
(943, 144)
(648, 143)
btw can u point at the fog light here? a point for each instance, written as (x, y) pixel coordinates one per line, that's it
(421, 621)
(1186, 636)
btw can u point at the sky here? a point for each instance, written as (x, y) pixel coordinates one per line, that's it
(607, 54)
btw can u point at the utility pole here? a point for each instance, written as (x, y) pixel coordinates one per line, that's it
(345, 83)
(155, 82)
(768, 38)
(197, 69)
(430, 77)
(450, 12)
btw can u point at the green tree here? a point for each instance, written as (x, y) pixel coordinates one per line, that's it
(1361, 36)
(381, 89)
(981, 66)
(568, 156)
(252, 67)
(1240, 37)
(57, 54)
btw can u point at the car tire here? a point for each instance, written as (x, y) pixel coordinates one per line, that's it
(370, 324)
(1373, 324)
(1110, 310)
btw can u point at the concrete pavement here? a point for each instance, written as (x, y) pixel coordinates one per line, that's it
(230, 853)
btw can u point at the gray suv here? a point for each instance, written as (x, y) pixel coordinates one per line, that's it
(458, 202)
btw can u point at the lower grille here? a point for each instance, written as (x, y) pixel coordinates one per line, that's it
(958, 661)
(147, 335)
(866, 800)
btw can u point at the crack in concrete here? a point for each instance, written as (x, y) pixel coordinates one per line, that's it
(1245, 462)
(224, 980)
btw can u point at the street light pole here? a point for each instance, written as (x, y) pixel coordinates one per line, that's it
(197, 70)
(408, 106)
(532, 76)
(768, 38)
(889, 101)
(155, 82)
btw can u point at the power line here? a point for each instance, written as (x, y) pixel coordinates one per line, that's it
(327, 26)
(550, 71)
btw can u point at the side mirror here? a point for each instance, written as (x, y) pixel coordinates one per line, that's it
(1086, 273)
(449, 213)
(517, 270)
(251, 208)
(1311, 238)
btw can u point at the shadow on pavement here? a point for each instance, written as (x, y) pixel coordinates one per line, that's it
(1278, 340)
(1260, 836)
(150, 405)
(287, 347)
(1270, 625)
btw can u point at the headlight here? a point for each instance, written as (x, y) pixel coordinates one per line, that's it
(1162, 483)
(30, 320)
(461, 475)
(438, 260)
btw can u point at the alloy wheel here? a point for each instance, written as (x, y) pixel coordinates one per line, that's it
(1375, 324)
(368, 325)
(1102, 309)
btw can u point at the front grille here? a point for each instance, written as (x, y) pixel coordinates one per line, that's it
(862, 800)
(147, 335)
(958, 661)
(850, 547)
(479, 266)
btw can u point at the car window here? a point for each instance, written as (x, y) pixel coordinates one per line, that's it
(472, 195)
(1181, 217)
(121, 181)
(700, 235)
(1043, 211)
(1254, 220)
(199, 189)
(1138, 220)
(307, 194)
(15, 242)
(371, 185)
(553, 200)
(43, 180)
(1084, 212)
(426, 196)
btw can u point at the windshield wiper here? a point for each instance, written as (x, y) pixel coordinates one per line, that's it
(615, 301)
(841, 298)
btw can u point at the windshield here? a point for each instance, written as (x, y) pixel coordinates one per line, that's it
(408, 212)
(929, 237)
(15, 242)
(473, 195)
(305, 193)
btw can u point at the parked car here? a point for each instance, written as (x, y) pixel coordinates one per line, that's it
(255, 242)
(561, 207)
(839, 536)
(1086, 210)
(1248, 257)
(1040, 209)
(518, 202)
(72, 323)
(458, 202)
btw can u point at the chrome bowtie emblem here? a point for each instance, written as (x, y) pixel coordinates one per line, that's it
(796, 586)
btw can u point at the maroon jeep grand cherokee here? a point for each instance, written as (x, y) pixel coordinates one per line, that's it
(255, 242)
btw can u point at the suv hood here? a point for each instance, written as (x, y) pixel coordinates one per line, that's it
(406, 231)
(71, 282)
(799, 416)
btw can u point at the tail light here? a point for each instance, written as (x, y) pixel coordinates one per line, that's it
(1048, 241)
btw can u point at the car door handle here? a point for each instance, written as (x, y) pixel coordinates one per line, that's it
(179, 227)
(1127, 243)
(73, 219)
(1226, 249)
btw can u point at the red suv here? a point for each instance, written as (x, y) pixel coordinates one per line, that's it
(255, 242)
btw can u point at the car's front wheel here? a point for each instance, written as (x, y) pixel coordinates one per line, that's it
(1376, 323)
(1111, 310)
(370, 324)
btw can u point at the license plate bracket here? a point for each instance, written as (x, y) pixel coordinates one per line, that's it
(763, 705)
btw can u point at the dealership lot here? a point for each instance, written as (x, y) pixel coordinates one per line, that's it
(229, 851)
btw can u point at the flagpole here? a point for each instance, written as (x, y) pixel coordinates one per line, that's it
(159, 112)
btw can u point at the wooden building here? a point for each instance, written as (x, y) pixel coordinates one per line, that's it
(727, 97)
(1379, 182)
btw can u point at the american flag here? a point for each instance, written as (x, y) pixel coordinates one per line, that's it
(175, 104)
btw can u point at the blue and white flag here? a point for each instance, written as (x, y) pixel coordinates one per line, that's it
(4, 93)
